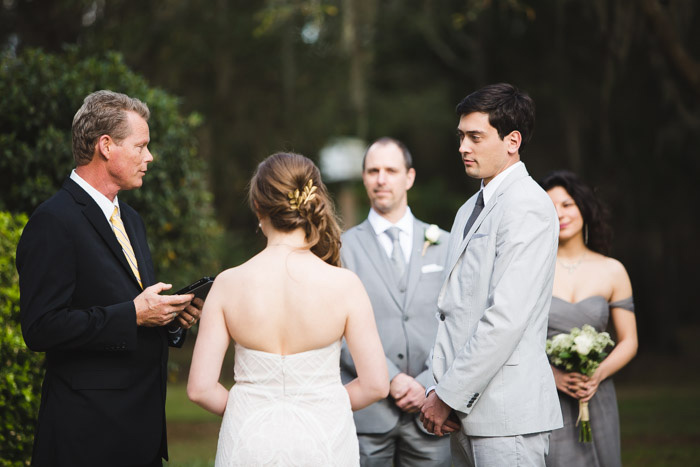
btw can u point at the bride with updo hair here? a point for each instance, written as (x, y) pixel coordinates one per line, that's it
(287, 310)
(282, 174)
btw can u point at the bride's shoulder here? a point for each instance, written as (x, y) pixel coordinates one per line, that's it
(337, 271)
(344, 279)
(231, 274)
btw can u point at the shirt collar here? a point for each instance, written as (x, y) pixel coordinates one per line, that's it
(380, 224)
(106, 206)
(492, 187)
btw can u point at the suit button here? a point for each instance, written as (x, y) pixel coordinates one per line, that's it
(400, 356)
(405, 318)
(442, 317)
(470, 404)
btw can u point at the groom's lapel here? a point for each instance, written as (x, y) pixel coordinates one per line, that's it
(517, 174)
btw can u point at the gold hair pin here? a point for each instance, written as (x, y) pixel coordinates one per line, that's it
(297, 198)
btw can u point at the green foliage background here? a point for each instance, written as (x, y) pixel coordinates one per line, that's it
(40, 94)
(21, 370)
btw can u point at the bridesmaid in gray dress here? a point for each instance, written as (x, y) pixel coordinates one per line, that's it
(589, 288)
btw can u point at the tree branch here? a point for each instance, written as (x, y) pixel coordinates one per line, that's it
(671, 45)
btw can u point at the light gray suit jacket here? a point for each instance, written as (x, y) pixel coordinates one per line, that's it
(405, 321)
(489, 357)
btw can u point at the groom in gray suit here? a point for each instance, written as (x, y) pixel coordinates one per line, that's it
(489, 357)
(400, 262)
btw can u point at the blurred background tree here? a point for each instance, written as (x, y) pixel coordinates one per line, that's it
(616, 83)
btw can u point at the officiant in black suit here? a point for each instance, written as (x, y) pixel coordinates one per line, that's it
(89, 300)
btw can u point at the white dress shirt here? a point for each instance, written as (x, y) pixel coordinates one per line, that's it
(493, 185)
(102, 201)
(405, 225)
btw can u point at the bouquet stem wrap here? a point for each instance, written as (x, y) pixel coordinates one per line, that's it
(584, 434)
(580, 351)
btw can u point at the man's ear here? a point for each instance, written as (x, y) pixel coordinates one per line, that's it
(513, 140)
(411, 176)
(105, 145)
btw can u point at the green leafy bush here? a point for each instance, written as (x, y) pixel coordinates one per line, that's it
(40, 94)
(20, 369)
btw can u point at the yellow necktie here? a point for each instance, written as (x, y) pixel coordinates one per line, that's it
(123, 239)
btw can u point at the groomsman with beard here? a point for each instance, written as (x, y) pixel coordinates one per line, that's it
(400, 261)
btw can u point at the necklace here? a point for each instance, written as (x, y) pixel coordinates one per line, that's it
(571, 267)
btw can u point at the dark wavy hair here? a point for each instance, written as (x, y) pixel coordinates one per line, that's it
(508, 109)
(281, 174)
(594, 213)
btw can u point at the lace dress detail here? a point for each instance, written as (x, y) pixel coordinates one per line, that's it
(287, 410)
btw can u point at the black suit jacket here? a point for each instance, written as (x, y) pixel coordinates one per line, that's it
(103, 397)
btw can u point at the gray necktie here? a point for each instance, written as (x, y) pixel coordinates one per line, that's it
(397, 258)
(475, 213)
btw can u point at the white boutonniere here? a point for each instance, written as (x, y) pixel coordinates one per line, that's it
(432, 237)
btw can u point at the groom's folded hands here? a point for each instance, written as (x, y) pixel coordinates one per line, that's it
(437, 417)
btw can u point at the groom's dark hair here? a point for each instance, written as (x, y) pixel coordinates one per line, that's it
(508, 109)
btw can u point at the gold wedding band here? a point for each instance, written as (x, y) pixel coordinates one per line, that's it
(192, 320)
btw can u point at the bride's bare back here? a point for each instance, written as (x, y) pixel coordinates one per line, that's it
(291, 297)
(287, 301)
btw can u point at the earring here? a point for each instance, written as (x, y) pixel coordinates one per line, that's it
(585, 234)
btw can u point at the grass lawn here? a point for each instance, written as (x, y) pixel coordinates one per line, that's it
(659, 400)
(192, 431)
(659, 424)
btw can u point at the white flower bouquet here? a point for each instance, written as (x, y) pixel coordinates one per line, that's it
(580, 351)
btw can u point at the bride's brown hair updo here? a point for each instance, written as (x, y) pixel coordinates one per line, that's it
(283, 173)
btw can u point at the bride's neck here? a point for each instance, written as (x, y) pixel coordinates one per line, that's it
(294, 239)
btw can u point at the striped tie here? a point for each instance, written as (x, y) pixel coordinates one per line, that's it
(120, 232)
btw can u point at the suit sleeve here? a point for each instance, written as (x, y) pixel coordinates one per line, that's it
(425, 378)
(177, 338)
(525, 253)
(46, 261)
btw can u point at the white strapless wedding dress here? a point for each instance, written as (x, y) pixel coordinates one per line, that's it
(288, 410)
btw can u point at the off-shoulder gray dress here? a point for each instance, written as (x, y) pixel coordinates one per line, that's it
(564, 447)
